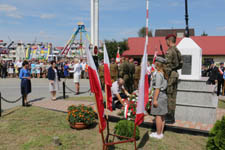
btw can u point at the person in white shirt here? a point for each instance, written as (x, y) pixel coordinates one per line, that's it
(118, 93)
(19, 66)
(83, 69)
(76, 75)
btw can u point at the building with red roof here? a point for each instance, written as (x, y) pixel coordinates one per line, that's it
(213, 47)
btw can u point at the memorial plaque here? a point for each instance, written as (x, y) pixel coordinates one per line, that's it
(187, 65)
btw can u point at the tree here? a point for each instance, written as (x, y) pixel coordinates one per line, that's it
(204, 34)
(112, 47)
(142, 32)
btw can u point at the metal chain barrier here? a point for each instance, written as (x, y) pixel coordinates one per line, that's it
(70, 89)
(74, 91)
(66, 87)
(7, 101)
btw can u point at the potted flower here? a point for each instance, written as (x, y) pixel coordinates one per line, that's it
(80, 116)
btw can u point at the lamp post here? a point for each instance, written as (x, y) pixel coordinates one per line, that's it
(187, 34)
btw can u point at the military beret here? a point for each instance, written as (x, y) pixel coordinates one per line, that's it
(160, 59)
(170, 35)
(221, 63)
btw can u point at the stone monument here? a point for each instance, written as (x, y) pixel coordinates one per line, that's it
(192, 57)
(196, 101)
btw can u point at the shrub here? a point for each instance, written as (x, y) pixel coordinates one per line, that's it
(126, 128)
(216, 140)
(81, 113)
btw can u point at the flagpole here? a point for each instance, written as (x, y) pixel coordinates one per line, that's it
(106, 94)
(99, 122)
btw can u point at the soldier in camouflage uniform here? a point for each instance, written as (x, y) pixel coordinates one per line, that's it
(137, 75)
(113, 70)
(125, 74)
(173, 63)
(120, 68)
(101, 75)
(131, 66)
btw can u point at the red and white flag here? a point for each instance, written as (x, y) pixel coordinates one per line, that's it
(96, 89)
(118, 56)
(108, 82)
(143, 90)
(153, 63)
(143, 83)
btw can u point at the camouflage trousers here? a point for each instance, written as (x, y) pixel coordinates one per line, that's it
(136, 81)
(128, 83)
(172, 94)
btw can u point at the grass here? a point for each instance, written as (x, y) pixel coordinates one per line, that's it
(33, 128)
(221, 104)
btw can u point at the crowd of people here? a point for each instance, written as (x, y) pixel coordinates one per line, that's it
(215, 76)
(39, 68)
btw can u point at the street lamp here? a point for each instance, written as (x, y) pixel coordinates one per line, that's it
(187, 34)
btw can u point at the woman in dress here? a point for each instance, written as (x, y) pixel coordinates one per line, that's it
(54, 78)
(159, 107)
(76, 75)
(11, 69)
(25, 77)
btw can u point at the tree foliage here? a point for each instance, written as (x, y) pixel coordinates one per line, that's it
(142, 32)
(204, 34)
(216, 140)
(112, 47)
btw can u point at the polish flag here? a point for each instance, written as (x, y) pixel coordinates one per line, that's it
(118, 56)
(153, 63)
(96, 89)
(108, 82)
(143, 89)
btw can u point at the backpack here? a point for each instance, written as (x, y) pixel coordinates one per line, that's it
(180, 60)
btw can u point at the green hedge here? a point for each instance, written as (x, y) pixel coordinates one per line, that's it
(216, 140)
(126, 128)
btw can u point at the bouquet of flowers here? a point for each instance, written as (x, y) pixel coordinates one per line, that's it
(129, 110)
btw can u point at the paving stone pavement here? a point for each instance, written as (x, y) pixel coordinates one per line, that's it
(62, 105)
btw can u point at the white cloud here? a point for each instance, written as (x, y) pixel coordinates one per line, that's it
(14, 15)
(47, 16)
(221, 28)
(10, 11)
(174, 4)
(7, 8)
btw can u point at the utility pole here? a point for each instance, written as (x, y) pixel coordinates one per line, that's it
(187, 34)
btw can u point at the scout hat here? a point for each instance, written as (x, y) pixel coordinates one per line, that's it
(160, 59)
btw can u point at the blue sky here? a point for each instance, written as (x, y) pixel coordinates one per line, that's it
(55, 20)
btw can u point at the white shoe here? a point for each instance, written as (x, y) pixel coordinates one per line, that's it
(153, 133)
(156, 136)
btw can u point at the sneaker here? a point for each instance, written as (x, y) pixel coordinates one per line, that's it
(156, 136)
(153, 133)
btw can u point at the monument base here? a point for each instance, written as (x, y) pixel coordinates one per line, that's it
(196, 101)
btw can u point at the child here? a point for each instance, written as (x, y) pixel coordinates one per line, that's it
(159, 104)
